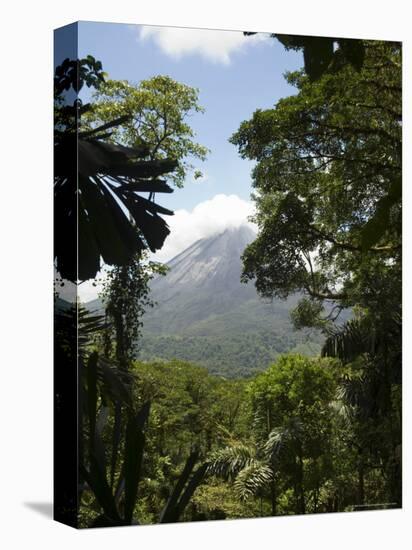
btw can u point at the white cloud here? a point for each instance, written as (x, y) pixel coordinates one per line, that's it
(213, 45)
(207, 218)
(89, 290)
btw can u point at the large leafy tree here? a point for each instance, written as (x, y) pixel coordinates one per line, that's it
(328, 185)
(292, 415)
(157, 111)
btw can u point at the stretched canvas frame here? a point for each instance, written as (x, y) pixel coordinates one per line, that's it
(108, 212)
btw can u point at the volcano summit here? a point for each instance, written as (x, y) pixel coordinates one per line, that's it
(204, 314)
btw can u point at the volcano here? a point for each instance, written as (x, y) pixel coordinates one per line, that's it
(204, 314)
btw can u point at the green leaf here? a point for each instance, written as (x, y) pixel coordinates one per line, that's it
(170, 511)
(92, 395)
(134, 446)
(376, 227)
(97, 482)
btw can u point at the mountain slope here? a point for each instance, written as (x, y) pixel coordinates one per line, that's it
(204, 313)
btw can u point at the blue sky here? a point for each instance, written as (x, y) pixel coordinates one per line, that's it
(229, 91)
(235, 76)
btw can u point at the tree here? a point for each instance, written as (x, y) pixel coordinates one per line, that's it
(328, 184)
(126, 295)
(328, 196)
(292, 415)
(156, 111)
(292, 429)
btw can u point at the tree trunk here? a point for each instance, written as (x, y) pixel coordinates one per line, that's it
(361, 482)
(299, 490)
(273, 498)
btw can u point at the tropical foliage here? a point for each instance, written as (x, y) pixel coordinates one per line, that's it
(328, 184)
(165, 440)
(101, 193)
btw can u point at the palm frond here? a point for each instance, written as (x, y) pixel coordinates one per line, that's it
(352, 389)
(354, 338)
(252, 478)
(76, 328)
(228, 462)
(283, 439)
(363, 336)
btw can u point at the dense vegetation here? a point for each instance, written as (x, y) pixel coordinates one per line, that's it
(230, 355)
(328, 196)
(284, 442)
(164, 441)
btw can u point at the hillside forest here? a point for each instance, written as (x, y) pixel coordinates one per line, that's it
(307, 431)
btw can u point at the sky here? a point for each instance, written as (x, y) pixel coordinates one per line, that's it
(235, 76)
